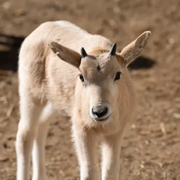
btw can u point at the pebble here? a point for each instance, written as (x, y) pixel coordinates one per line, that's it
(4, 159)
(176, 115)
(6, 5)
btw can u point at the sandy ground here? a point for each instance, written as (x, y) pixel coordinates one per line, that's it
(151, 150)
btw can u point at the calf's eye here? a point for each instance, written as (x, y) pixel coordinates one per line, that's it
(81, 77)
(117, 77)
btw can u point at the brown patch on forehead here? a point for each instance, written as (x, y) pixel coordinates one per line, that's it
(106, 64)
(88, 67)
(97, 51)
(100, 67)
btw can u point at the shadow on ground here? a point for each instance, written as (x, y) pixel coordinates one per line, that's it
(9, 50)
(142, 62)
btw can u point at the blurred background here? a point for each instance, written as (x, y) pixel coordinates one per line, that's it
(151, 150)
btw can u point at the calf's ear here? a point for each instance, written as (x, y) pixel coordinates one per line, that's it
(68, 55)
(135, 48)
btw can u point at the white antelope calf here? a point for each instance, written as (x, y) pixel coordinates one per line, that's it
(64, 69)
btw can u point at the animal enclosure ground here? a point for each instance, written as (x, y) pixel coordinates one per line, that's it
(151, 150)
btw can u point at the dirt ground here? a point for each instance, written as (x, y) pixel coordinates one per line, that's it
(151, 149)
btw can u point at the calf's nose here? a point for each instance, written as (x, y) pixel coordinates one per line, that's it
(99, 111)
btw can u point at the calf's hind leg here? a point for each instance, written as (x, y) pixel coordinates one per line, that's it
(26, 133)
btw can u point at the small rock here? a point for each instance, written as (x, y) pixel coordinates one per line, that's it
(6, 5)
(163, 129)
(112, 22)
(116, 10)
(171, 41)
(20, 12)
(133, 126)
(176, 115)
(4, 159)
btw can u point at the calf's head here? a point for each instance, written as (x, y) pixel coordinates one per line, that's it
(101, 74)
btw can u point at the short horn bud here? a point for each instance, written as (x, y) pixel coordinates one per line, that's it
(113, 50)
(83, 52)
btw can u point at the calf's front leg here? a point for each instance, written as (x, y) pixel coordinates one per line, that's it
(111, 156)
(38, 155)
(86, 147)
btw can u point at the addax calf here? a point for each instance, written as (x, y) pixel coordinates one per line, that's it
(64, 69)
